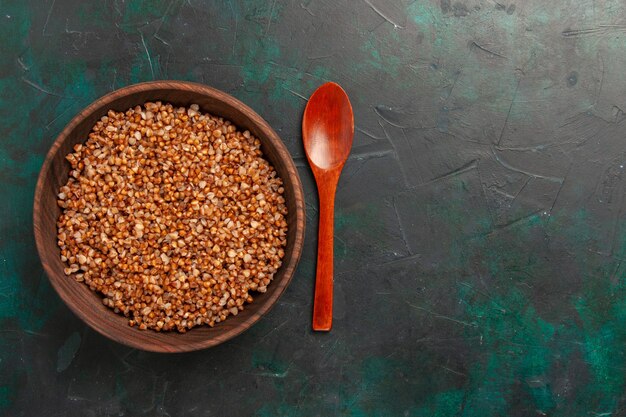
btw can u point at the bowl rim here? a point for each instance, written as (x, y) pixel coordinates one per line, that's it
(185, 86)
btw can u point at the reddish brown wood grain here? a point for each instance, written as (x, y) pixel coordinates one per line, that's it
(328, 130)
(86, 304)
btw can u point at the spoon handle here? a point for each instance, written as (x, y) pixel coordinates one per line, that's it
(323, 300)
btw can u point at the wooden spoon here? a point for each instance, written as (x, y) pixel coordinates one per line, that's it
(327, 129)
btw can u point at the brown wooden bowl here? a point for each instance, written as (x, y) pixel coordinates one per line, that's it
(87, 304)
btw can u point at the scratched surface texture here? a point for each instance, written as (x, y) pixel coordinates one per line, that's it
(480, 224)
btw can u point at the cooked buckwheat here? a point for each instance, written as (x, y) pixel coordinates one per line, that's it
(173, 215)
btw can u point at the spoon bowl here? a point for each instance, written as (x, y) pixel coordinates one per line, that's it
(328, 127)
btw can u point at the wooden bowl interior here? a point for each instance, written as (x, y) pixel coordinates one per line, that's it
(87, 304)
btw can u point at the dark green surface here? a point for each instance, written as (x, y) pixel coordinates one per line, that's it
(480, 230)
